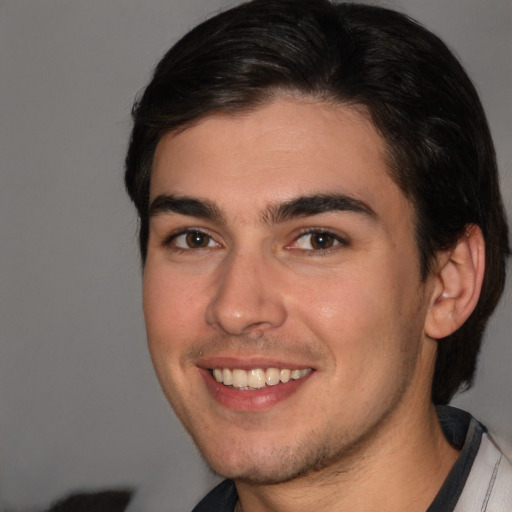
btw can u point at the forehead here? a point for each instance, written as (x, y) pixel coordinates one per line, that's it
(276, 152)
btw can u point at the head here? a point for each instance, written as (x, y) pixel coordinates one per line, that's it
(416, 93)
(418, 96)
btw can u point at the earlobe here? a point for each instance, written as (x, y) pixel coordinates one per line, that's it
(457, 286)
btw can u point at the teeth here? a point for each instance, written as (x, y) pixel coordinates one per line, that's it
(296, 374)
(227, 377)
(257, 378)
(239, 378)
(285, 375)
(272, 376)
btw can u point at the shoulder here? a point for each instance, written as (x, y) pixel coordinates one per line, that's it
(489, 483)
(222, 498)
(481, 479)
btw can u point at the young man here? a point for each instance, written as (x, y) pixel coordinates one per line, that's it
(323, 242)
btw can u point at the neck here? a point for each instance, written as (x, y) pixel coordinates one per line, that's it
(400, 469)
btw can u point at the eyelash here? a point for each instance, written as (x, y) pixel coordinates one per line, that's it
(170, 241)
(337, 241)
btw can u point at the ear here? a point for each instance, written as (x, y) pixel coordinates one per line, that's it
(457, 283)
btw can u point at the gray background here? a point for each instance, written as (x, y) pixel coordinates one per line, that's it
(79, 405)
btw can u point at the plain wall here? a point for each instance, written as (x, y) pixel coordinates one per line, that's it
(80, 407)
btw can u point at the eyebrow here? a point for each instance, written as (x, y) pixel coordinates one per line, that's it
(184, 205)
(303, 206)
(316, 204)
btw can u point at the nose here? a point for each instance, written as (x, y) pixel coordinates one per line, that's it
(246, 297)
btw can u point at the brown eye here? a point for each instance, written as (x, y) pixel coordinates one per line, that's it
(197, 239)
(193, 239)
(318, 241)
(322, 240)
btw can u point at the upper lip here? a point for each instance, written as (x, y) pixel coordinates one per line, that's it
(249, 363)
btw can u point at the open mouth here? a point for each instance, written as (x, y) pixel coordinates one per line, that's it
(257, 378)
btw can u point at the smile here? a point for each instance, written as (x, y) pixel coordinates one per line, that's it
(256, 378)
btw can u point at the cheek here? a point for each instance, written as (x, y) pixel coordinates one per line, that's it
(171, 307)
(342, 306)
(364, 318)
(170, 320)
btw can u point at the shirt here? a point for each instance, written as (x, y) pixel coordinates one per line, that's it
(480, 480)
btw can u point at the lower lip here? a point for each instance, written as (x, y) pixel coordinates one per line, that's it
(251, 400)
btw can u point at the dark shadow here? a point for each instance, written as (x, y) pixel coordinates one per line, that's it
(99, 501)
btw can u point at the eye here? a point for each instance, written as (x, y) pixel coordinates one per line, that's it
(317, 241)
(192, 239)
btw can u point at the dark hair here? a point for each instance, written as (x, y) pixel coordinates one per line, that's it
(417, 93)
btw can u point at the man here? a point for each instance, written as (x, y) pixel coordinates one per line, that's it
(323, 242)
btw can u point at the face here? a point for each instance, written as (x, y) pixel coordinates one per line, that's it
(282, 295)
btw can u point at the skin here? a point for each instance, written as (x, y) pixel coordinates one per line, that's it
(263, 291)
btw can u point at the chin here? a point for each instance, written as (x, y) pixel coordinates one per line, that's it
(267, 473)
(270, 465)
